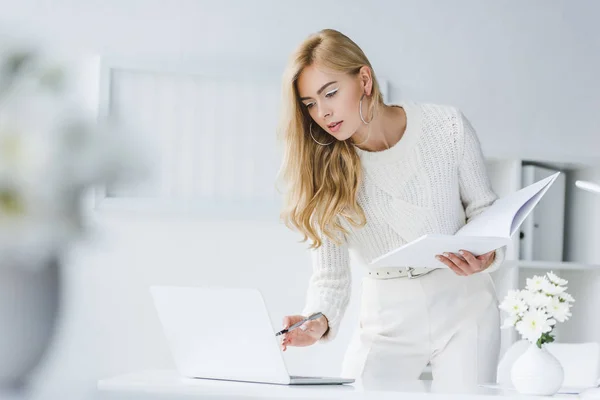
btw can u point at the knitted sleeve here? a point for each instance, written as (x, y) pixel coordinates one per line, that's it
(475, 187)
(330, 285)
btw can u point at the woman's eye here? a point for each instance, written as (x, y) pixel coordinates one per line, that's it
(309, 105)
(332, 93)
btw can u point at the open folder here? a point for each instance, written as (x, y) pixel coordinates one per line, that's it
(488, 231)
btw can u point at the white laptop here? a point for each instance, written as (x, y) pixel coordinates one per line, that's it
(225, 334)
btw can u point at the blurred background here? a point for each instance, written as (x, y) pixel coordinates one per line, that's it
(201, 80)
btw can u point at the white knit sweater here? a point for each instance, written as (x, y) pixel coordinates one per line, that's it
(433, 180)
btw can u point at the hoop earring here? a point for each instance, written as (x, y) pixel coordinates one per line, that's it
(363, 120)
(315, 140)
(364, 141)
(360, 111)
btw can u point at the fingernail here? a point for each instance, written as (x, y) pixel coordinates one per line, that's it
(447, 254)
(438, 258)
(303, 328)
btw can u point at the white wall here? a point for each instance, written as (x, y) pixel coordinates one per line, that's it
(524, 72)
(108, 323)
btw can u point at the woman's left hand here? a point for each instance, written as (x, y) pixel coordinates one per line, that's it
(467, 263)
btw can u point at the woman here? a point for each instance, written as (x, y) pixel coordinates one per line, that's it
(371, 177)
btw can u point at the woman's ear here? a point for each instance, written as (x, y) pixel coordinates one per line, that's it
(366, 79)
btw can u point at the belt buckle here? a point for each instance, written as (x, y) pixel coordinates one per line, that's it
(409, 272)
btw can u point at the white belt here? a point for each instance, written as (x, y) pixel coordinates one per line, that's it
(398, 272)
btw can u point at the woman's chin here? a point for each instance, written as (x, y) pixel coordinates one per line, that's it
(342, 136)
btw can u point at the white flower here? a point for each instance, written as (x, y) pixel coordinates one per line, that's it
(51, 152)
(534, 324)
(559, 310)
(556, 279)
(536, 283)
(513, 294)
(552, 289)
(514, 305)
(539, 300)
(566, 297)
(526, 295)
(511, 321)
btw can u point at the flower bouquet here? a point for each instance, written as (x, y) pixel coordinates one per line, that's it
(52, 153)
(534, 312)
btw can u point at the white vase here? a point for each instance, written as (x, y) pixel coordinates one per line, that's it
(537, 372)
(29, 301)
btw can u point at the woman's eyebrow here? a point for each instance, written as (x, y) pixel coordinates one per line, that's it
(320, 90)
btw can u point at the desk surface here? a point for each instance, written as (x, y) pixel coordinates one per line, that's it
(171, 384)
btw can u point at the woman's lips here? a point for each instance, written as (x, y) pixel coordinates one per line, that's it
(335, 126)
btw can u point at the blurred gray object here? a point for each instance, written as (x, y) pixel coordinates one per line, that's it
(29, 304)
(52, 152)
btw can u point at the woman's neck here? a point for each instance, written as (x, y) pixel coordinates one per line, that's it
(384, 131)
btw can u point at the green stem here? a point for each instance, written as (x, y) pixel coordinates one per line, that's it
(545, 338)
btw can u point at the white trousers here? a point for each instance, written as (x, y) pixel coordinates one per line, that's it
(450, 321)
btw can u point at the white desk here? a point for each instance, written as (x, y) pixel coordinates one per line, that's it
(168, 384)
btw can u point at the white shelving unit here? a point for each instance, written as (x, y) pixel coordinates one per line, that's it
(564, 265)
(507, 176)
(212, 130)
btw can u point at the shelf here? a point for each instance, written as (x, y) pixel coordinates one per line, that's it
(557, 265)
(217, 209)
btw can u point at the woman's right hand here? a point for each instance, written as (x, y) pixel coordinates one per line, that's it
(306, 334)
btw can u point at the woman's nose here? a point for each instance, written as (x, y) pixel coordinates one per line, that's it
(324, 113)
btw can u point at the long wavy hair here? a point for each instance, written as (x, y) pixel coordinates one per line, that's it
(321, 182)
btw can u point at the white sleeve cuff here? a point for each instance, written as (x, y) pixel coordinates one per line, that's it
(498, 260)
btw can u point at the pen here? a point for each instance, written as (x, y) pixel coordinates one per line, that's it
(297, 324)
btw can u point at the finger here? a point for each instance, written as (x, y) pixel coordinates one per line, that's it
(298, 336)
(475, 264)
(293, 337)
(483, 258)
(459, 262)
(286, 322)
(468, 256)
(485, 264)
(283, 344)
(312, 328)
(450, 265)
(487, 258)
(309, 326)
(297, 339)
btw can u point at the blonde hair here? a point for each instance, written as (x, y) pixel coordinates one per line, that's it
(322, 181)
